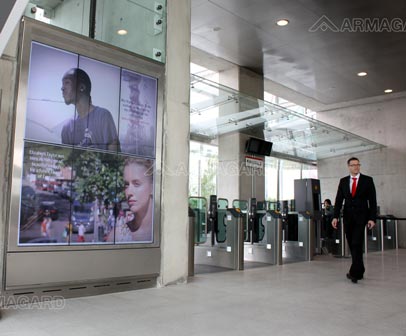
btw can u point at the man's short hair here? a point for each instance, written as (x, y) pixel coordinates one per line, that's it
(81, 79)
(352, 159)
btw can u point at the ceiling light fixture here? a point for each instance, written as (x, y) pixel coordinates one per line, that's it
(388, 91)
(282, 22)
(362, 74)
(122, 31)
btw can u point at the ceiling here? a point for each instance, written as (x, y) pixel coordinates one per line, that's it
(321, 65)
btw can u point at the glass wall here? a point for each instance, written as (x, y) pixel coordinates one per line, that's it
(289, 171)
(203, 164)
(309, 171)
(271, 178)
(138, 26)
(280, 175)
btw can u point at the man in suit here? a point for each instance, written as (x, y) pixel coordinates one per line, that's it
(357, 191)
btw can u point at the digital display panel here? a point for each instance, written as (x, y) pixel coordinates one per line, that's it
(258, 146)
(89, 152)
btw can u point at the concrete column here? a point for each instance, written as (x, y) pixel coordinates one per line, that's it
(174, 203)
(235, 180)
(11, 14)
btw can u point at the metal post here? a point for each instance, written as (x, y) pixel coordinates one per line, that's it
(278, 233)
(396, 234)
(365, 241)
(191, 257)
(311, 238)
(240, 244)
(382, 236)
(342, 235)
(318, 244)
(92, 19)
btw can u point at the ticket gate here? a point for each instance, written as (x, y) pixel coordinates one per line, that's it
(338, 244)
(223, 246)
(389, 232)
(262, 232)
(299, 238)
(383, 236)
(373, 239)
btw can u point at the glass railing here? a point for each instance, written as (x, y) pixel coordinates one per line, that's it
(217, 110)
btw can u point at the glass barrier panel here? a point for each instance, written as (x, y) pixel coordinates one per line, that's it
(199, 207)
(243, 206)
(222, 205)
(261, 206)
(135, 25)
(69, 15)
(261, 227)
(138, 26)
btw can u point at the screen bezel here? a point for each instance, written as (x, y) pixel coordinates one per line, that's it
(31, 31)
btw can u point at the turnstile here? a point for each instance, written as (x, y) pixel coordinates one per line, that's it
(261, 235)
(383, 236)
(299, 242)
(224, 246)
(267, 248)
(338, 244)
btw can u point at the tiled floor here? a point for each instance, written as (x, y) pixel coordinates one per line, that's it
(296, 299)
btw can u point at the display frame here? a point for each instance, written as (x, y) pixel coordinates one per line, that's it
(34, 31)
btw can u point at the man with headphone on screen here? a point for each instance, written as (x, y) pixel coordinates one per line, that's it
(92, 126)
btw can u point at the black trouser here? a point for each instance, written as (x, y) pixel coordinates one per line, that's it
(354, 226)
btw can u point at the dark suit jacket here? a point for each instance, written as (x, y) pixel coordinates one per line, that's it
(364, 202)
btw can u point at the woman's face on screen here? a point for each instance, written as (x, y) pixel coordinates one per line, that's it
(138, 187)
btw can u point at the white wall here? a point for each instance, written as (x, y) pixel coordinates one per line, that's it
(382, 122)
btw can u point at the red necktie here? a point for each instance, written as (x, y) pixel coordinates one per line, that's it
(354, 186)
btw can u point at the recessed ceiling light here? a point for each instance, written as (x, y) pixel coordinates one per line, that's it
(282, 22)
(122, 32)
(388, 91)
(362, 74)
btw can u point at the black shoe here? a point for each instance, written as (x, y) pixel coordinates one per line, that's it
(350, 277)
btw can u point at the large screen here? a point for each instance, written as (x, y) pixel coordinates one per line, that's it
(89, 151)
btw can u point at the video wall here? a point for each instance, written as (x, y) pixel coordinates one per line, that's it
(89, 152)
